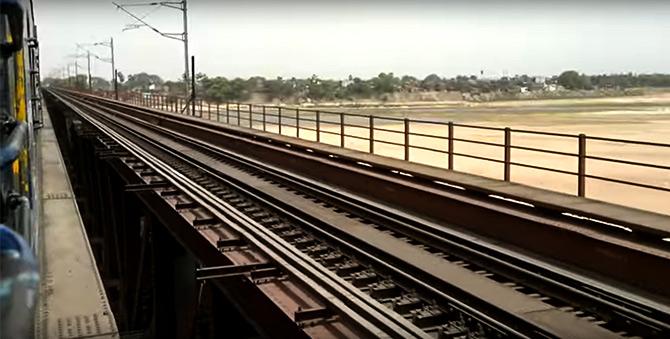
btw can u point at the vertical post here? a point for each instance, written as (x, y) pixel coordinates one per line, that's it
(115, 73)
(406, 139)
(372, 134)
(193, 94)
(264, 117)
(76, 74)
(209, 111)
(185, 38)
(508, 154)
(116, 86)
(251, 115)
(239, 123)
(218, 112)
(318, 126)
(342, 130)
(227, 112)
(297, 122)
(202, 109)
(178, 105)
(581, 167)
(279, 118)
(450, 145)
(88, 56)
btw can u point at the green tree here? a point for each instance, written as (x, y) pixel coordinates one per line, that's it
(358, 88)
(572, 80)
(142, 81)
(385, 83)
(432, 82)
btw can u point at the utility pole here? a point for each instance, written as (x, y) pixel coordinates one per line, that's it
(88, 57)
(183, 37)
(116, 88)
(114, 71)
(109, 44)
(76, 74)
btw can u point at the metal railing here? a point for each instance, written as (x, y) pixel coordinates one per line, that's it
(281, 118)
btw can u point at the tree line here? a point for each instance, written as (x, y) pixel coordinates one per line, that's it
(314, 88)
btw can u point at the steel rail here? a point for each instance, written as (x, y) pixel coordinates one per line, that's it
(349, 302)
(581, 287)
(602, 294)
(528, 329)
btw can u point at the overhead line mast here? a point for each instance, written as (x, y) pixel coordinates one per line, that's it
(183, 37)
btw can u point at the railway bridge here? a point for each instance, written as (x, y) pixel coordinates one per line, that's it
(256, 221)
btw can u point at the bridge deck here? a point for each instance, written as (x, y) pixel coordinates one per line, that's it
(73, 303)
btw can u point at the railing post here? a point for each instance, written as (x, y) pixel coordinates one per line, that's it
(218, 112)
(227, 112)
(279, 119)
(581, 167)
(406, 139)
(201, 109)
(264, 117)
(372, 134)
(318, 126)
(251, 120)
(297, 122)
(209, 111)
(342, 130)
(450, 145)
(508, 153)
(239, 122)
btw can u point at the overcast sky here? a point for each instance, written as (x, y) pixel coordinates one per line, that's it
(333, 39)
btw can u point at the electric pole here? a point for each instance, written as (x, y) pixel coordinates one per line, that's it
(183, 37)
(88, 57)
(114, 72)
(76, 73)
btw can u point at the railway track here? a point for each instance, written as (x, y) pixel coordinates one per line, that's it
(420, 275)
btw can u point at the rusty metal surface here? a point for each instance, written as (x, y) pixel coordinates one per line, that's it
(590, 250)
(504, 297)
(192, 229)
(460, 208)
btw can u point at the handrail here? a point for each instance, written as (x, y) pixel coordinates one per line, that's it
(314, 120)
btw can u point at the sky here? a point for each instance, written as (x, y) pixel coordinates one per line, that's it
(335, 39)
